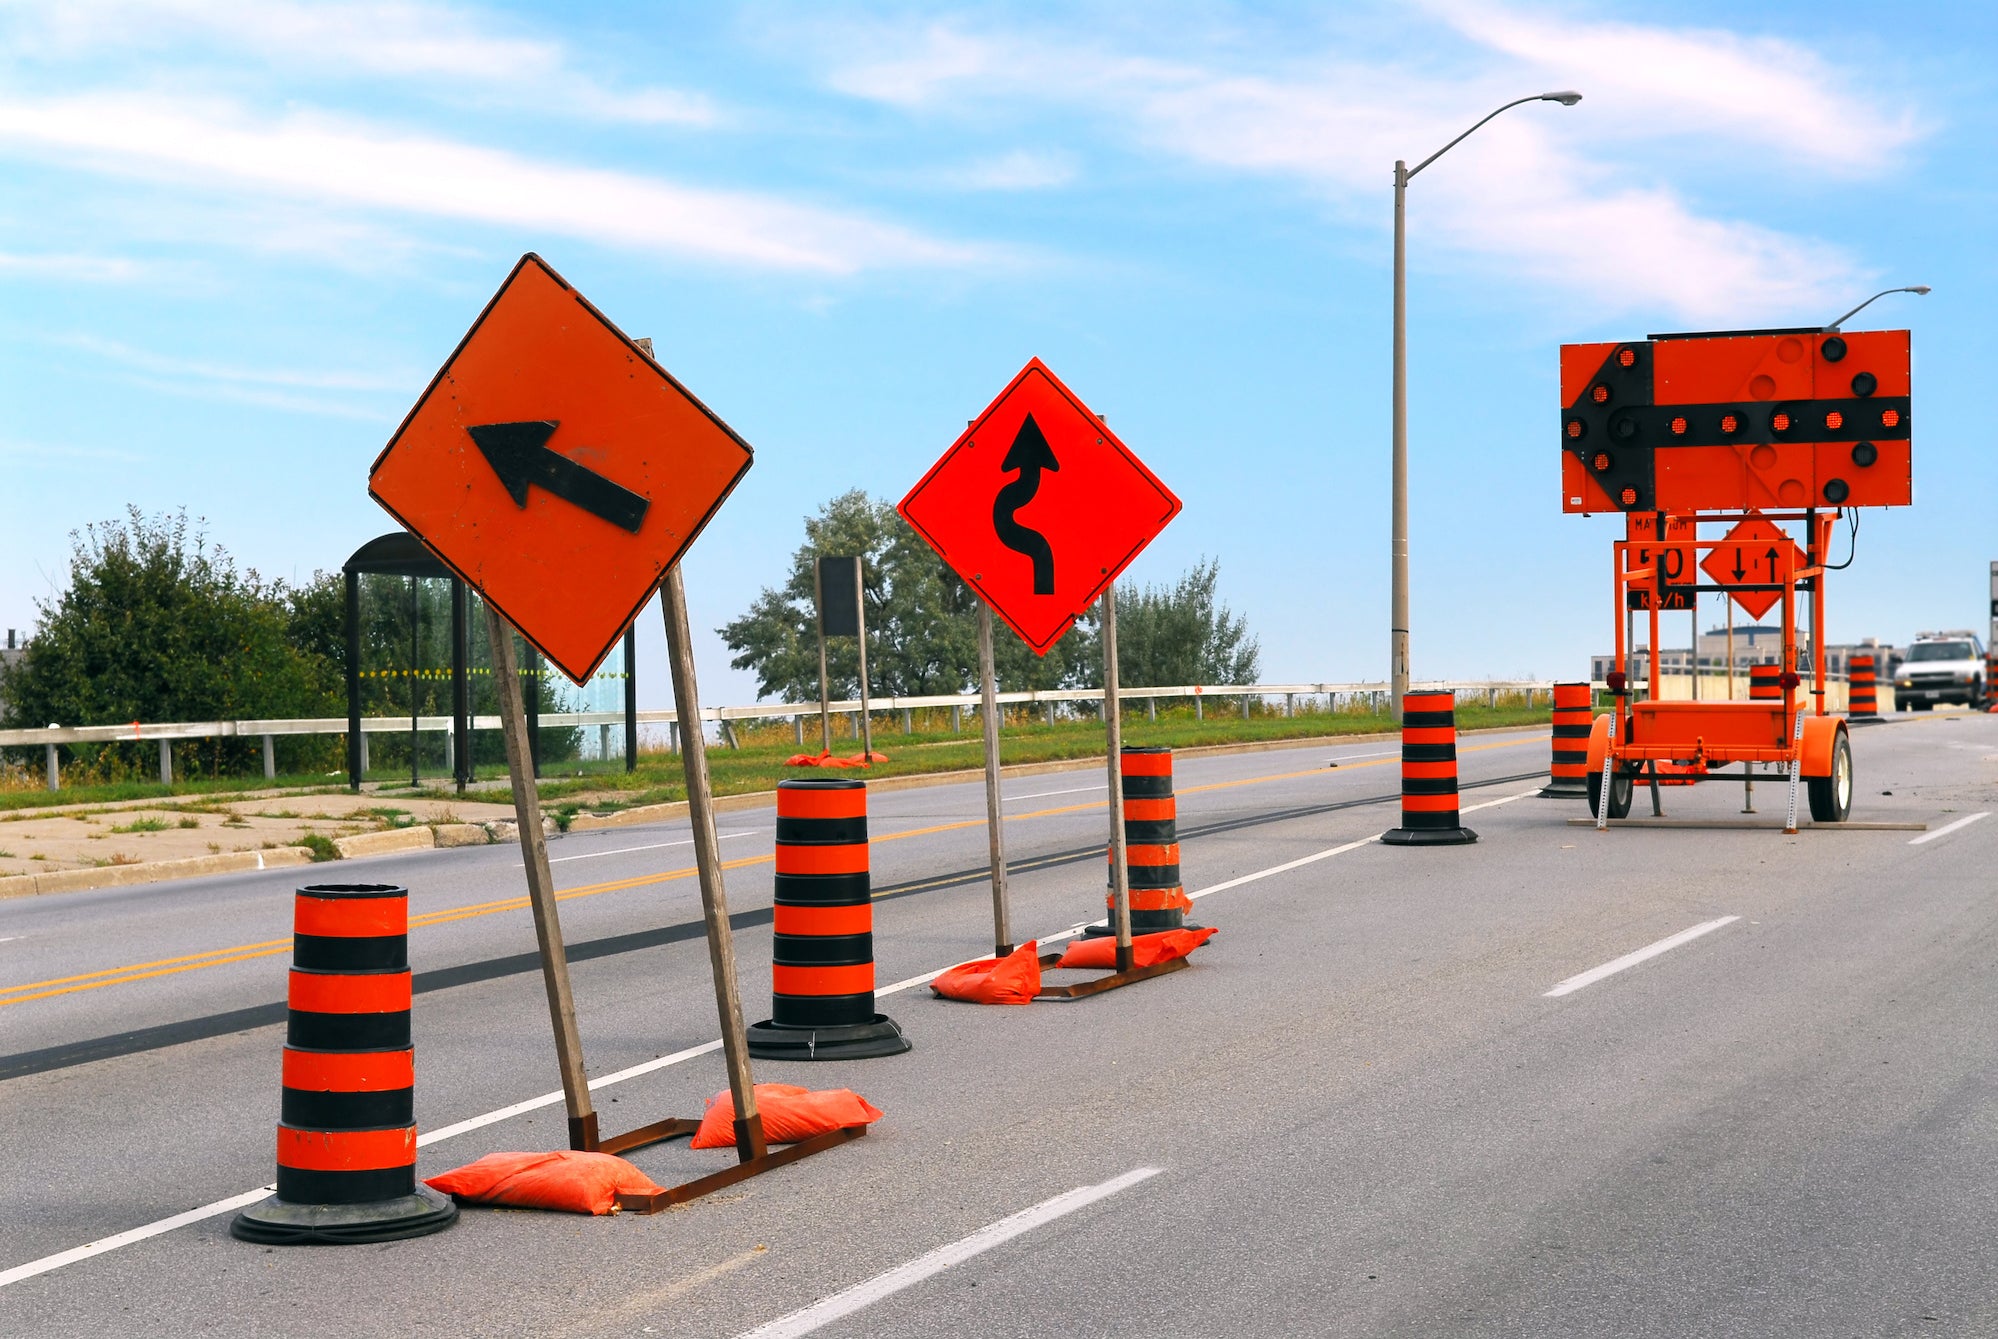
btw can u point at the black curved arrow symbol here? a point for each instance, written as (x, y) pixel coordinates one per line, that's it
(1029, 454)
(520, 455)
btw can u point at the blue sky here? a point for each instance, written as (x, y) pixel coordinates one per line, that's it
(238, 236)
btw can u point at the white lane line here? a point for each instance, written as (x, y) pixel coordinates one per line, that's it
(104, 1244)
(1285, 868)
(863, 1295)
(8, 939)
(1043, 794)
(654, 846)
(1948, 828)
(1493, 804)
(1665, 945)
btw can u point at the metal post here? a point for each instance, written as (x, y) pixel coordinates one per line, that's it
(1113, 730)
(415, 650)
(357, 756)
(908, 722)
(541, 886)
(1398, 524)
(798, 728)
(631, 698)
(461, 688)
(1245, 706)
(860, 622)
(819, 612)
(52, 772)
(1151, 709)
(988, 706)
(956, 719)
(270, 758)
(1197, 714)
(707, 857)
(166, 762)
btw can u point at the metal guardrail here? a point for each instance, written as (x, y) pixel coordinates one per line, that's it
(166, 733)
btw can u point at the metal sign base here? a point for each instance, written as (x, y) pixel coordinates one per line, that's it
(1127, 977)
(742, 1171)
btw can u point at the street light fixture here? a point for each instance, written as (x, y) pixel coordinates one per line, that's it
(1398, 544)
(1919, 290)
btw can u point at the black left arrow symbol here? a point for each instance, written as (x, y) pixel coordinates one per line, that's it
(520, 455)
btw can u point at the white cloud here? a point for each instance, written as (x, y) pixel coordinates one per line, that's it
(344, 163)
(70, 266)
(142, 360)
(1020, 170)
(343, 38)
(1582, 199)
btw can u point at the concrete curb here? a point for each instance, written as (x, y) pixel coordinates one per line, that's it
(391, 842)
(661, 813)
(155, 871)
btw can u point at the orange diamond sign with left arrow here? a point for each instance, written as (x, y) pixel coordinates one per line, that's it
(557, 468)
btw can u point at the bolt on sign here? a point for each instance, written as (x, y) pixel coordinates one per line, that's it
(557, 468)
(1736, 420)
(1038, 506)
(1756, 552)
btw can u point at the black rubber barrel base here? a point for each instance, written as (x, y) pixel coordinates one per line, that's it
(1866, 720)
(1564, 789)
(278, 1223)
(1103, 930)
(1428, 837)
(847, 1041)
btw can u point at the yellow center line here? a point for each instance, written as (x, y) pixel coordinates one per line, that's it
(145, 971)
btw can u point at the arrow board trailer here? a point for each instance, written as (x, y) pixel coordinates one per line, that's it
(1754, 430)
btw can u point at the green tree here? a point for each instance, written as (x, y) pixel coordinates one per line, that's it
(157, 624)
(922, 622)
(1182, 634)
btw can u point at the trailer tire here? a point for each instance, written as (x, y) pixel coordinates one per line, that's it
(1621, 791)
(1831, 796)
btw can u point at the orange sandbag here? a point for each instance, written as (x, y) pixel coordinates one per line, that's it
(1013, 979)
(826, 759)
(572, 1180)
(1146, 950)
(789, 1113)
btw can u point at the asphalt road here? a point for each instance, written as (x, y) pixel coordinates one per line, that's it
(1359, 1112)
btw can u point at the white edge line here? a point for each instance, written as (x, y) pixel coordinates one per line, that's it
(1948, 828)
(1043, 794)
(112, 1243)
(1611, 968)
(655, 846)
(865, 1294)
(137, 1234)
(1493, 804)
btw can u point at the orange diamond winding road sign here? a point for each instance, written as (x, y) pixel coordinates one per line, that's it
(1038, 506)
(1753, 553)
(556, 468)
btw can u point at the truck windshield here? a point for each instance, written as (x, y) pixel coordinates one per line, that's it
(1940, 651)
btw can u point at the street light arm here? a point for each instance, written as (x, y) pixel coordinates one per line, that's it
(1917, 289)
(1565, 99)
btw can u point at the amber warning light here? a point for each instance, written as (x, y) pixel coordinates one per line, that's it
(1731, 421)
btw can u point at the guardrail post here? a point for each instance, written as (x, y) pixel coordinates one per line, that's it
(166, 762)
(1198, 714)
(908, 722)
(1047, 712)
(798, 729)
(956, 720)
(270, 758)
(54, 772)
(1289, 705)
(1151, 709)
(362, 735)
(1245, 706)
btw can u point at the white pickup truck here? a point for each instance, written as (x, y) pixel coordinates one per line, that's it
(1940, 667)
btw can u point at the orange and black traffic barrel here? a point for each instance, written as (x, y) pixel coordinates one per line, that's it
(1568, 776)
(1151, 846)
(1861, 702)
(1765, 683)
(822, 959)
(346, 1138)
(1429, 774)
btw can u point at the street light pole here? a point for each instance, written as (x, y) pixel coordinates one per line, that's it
(1398, 542)
(1919, 290)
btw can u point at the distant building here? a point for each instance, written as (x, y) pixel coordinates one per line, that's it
(1755, 644)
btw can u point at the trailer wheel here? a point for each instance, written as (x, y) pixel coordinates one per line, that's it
(1620, 794)
(1831, 796)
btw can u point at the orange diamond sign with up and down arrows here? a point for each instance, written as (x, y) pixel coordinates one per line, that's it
(1038, 506)
(1757, 552)
(556, 468)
